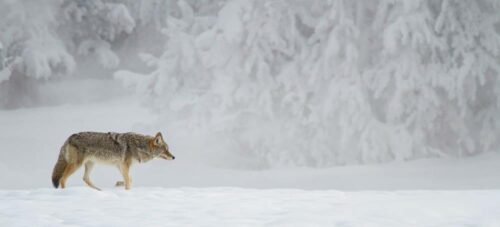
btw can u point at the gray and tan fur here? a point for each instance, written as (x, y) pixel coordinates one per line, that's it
(118, 149)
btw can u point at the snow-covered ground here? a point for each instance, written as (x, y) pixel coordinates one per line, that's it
(194, 190)
(247, 207)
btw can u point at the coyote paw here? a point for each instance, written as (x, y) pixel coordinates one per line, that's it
(119, 184)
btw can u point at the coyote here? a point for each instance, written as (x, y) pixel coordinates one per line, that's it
(119, 149)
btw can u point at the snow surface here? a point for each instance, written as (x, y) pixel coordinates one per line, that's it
(247, 207)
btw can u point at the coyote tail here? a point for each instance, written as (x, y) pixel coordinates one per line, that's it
(59, 169)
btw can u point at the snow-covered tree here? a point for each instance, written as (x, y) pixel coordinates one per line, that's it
(27, 32)
(31, 49)
(44, 41)
(435, 77)
(287, 82)
(91, 26)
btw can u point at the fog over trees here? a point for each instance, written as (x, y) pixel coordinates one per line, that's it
(283, 82)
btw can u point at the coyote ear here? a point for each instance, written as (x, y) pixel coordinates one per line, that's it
(158, 138)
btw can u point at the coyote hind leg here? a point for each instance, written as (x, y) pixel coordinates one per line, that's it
(70, 169)
(86, 176)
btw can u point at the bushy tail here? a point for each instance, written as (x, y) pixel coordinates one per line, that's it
(58, 170)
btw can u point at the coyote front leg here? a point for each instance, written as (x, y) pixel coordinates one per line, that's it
(124, 169)
(120, 183)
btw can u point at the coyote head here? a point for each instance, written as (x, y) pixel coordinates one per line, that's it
(160, 146)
